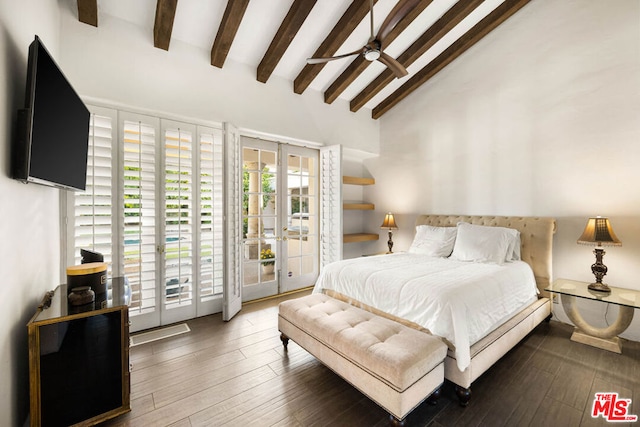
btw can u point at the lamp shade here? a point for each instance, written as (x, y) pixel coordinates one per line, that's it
(598, 232)
(389, 222)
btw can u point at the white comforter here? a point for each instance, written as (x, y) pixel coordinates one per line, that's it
(459, 301)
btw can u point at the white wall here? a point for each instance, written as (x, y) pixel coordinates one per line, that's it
(542, 117)
(117, 62)
(29, 218)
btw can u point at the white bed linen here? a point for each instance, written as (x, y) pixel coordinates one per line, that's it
(459, 301)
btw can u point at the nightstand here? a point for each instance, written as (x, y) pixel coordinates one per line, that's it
(627, 301)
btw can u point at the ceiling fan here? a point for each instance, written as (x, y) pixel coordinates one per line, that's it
(373, 50)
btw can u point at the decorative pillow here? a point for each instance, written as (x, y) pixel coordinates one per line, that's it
(433, 241)
(481, 243)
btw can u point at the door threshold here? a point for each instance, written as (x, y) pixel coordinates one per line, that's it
(284, 294)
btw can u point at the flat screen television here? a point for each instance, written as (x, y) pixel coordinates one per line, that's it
(53, 128)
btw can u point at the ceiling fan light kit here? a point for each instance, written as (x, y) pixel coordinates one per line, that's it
(371, 54)
(372, 51)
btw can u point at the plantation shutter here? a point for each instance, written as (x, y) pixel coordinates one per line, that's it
(233, 284)
(90, 213)
(139, 141)
(330, 204)
(211, 209)
(178, 214)
(154, 206)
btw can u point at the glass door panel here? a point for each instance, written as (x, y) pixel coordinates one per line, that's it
(259, 219)
(301, 227)
(280, 218)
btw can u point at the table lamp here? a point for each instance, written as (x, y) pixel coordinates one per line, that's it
(389, 223)
(598, 233)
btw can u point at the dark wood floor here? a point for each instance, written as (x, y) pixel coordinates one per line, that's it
(237, 374)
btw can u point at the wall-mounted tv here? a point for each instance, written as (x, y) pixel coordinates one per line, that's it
(53, 128)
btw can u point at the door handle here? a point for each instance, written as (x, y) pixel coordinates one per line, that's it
(283, 237)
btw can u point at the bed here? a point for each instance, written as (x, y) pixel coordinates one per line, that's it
(480, 309)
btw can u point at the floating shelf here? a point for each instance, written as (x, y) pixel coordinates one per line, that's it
(361, 206)
(354, 180)
(359, 237)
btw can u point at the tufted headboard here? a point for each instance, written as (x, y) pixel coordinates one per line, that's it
(536, 235)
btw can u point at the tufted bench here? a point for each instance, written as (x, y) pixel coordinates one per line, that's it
(395, 366)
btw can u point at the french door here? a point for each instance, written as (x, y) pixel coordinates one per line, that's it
(154, 207)
(173, 219)
(197, 218)
(279, 218)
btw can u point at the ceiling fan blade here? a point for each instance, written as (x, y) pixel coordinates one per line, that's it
(322, 60)
(397, 68)
(397, 13)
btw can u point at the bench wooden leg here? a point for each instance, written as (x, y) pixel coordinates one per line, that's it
(285, 340)
(464, 395)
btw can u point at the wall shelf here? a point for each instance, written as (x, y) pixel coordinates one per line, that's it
(354, 180)
(359, 206)
(359, 237)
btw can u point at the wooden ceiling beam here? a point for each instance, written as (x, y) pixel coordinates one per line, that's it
(229, 25)
(354, 14)
(470, 38)
(298, 13)
(88, 12)
(360, 64)
(439, 29)
(163, 26)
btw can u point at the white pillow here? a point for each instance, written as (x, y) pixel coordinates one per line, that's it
(433, 241)
(513, 251)
(479, 243)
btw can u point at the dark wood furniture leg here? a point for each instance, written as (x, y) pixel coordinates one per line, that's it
(464, 395)
(285, 340)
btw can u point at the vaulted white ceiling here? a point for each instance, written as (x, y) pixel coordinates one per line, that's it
(444, 30)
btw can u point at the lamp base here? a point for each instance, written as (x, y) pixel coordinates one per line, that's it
(599, 287)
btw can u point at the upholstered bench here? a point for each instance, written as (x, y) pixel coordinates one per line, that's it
(395, 366)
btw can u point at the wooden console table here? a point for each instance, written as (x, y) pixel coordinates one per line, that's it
(627, 301)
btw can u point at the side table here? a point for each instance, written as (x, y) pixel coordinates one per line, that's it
(627, 301)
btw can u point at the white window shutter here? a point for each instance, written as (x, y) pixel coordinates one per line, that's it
(233, 284)
(211, 212)
(178, 191)
(154, 206)
(330, 204)
(90, 213)
(139, 198)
